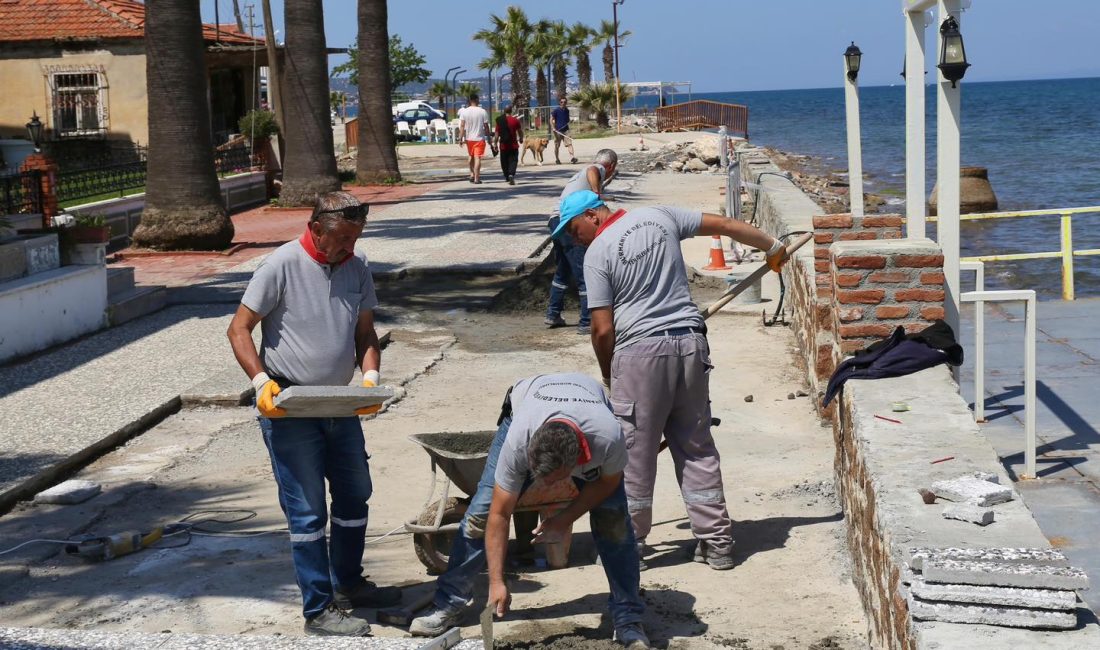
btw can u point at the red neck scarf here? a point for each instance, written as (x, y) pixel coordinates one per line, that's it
(306, 240)
(585, 455)
(610, 220)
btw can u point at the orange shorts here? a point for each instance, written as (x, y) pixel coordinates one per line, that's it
(476, 148)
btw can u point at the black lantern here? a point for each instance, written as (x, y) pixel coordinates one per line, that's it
(953, 63)
(34, 130)
(851, 61)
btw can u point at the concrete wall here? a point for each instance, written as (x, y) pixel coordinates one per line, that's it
(880, 465)
(50, 308)
(23, 78)
(123, 215)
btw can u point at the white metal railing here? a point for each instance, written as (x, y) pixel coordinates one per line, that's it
(979, 297)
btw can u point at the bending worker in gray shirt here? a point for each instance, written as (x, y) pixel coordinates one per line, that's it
(651, 343)
(552, 427)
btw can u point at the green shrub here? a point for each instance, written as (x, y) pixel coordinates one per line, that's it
(93, 220)
(262, 121)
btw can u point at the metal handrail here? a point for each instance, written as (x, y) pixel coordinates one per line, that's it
(1065, 252)
(979, 298)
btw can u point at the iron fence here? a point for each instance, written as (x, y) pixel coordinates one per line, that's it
(232, 160)
(21, 193)
(100, 183)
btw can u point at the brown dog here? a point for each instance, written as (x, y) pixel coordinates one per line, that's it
(537, 144)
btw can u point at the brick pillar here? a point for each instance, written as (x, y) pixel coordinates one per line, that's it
(47, 186)
(879, 285)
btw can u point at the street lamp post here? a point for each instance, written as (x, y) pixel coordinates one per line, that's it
(953, 63)
(446, 81)
(852, 57)
(34, 130)
(454, 88)
(618, 101)
(492, 97)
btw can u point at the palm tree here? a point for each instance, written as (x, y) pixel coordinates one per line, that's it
(441, 90)
(467, 88)
(580, 40)
(544, 45)
(310, 167)
(563, 48)
(600, 99)
(377, 159)
(513, 32)
(498, 57)
(183, 206)
(606, 35)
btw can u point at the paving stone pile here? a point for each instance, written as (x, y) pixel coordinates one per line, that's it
(1010, 587)
(971, 497)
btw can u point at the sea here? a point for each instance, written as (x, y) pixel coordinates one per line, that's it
(1040, 141)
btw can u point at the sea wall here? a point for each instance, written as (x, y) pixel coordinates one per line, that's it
(843, 293)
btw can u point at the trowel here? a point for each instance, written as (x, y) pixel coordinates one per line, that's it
(487, 626)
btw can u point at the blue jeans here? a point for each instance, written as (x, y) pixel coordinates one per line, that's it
(570, 262)
(304, 452)
(611, 530)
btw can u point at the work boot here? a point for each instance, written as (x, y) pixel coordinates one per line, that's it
(584, 329)
(367, 594)
(632, 636)
(717, 561)
(554, 321)
(336, 622)
(573, 160)
(435, 622)
(511, 180)
(642, 566)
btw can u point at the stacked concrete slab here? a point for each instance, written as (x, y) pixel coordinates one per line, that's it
(1011, 587)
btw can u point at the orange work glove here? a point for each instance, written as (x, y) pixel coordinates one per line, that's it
(370, 380)
(776, 256)
(266, 390)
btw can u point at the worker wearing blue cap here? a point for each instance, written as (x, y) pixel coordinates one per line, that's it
(651, 343)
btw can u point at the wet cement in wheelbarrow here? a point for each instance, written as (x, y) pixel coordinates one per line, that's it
(477, 442)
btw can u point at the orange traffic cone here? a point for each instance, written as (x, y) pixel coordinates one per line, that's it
(717, 256)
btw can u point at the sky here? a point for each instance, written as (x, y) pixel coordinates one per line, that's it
(741, 45)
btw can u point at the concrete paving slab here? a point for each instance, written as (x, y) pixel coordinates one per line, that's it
(1004, 575)
(1058, 599)
(992, 615)
(329, 401)
(69, 492)
(968, 489)
(970, 513)
(1033, 556)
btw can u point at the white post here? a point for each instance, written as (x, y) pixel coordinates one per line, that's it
(979, 338)
(948, 114)
(915, 208)
(855, 153)
(1029, 385)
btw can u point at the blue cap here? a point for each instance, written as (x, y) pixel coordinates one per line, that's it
(574, 205)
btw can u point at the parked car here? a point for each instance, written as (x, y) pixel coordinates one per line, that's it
(404, 106)
(425, 112)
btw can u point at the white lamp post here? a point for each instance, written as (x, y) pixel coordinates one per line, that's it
(852, 58)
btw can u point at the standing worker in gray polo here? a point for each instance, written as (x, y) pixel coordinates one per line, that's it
(314, 301)
(651, 343)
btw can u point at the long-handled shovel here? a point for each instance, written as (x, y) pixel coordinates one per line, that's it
(736, 289)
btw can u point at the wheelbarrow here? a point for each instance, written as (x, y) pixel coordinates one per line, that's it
(462, 457)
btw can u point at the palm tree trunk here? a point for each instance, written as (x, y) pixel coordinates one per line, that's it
(608, 63)
(521, 82)
(183, 206)
(540, 86)
(377, 161)
(560, 72)
(584, 70)
(310, 167)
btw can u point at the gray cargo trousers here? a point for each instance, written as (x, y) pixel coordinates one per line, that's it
(660, 385)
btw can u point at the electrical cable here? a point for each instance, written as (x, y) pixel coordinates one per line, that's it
(782, 284)
(760, 188)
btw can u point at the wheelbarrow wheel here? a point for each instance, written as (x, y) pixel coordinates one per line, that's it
(434, 549)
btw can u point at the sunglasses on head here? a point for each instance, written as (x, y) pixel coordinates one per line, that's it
(351, 213)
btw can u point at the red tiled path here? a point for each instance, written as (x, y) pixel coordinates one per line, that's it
(260, 230)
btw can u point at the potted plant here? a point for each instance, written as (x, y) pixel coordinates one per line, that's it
(89, 229)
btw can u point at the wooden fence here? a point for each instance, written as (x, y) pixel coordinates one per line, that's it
(351, 133)
(703, 114)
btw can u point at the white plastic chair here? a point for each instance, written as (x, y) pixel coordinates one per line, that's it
(421, 127)
(440, 131)
(453, 128)
(403, 130)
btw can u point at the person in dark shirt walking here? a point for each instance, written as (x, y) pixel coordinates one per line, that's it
(508, 135)
(561, 131)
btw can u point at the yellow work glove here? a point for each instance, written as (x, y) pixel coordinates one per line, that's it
(776, 256)
(266, 390)
(370, 380)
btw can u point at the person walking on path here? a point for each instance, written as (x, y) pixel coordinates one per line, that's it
(473, 127)
(314, 301)
(560, 116)
(568, 255)
(651, 344)
(552, 427)
(507, 137)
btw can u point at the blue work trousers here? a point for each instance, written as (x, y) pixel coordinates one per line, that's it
(304, 452)
(570, 263)
(611, 530)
